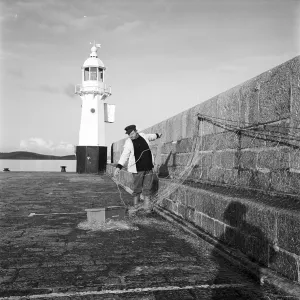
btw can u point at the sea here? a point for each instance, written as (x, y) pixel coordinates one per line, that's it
(37, 165)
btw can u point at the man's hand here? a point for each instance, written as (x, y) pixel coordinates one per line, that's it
(117, 172)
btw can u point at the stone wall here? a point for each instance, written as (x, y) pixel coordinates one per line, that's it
(264, 228)
(270, 103)
(243, 188)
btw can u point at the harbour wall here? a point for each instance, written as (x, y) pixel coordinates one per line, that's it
(238, 155)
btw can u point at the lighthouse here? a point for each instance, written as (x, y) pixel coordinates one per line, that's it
(91, 152)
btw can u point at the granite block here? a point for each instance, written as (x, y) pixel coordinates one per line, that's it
(182, 211)
(295, 95)
(227, 140)
(250, 140)
(264, 180)
(219, 232)
(181, 195)
(192, 128)
(274, 95)
(289, 233)
(294, 183)
(200, 173)
(184, 117)
(281, 181)
(241, 241)
(190, 214)
(221, 206)
(198, 199)
(230, 236)
(175, 208)
(169, 134)
(285, 264)
(231, 177)
(181, 159)
(206, 128)
(198, 219)
(228, 104)
(216, 174)
(257, 249)
(229, 159)
(209, 142)
(177, 127)
(259, 221)
(247, 159)
(208, 201)
(191, 195)
(166, 148)
(185, 145)
(166, 203)
(233, 214)
(282, 127)
(209, 109)
(216, 160)
(206, 159)
(249, 101)
(173, 193)
(295, 159)
(167, 159)
(234, 238)
(208, 224)
(244, 178)
(274, 159)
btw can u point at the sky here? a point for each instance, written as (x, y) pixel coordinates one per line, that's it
(162, 57)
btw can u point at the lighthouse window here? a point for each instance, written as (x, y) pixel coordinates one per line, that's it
(100, 78)
(93, 72)
(86, 74)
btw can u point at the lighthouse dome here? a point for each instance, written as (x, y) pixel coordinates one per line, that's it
(93, 62)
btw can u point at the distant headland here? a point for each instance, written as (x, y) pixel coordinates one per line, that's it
(32, 155)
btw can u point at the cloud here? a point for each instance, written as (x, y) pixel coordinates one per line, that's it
(227, 67)
(127, 26)
(48, 17)
(49, 89)
(42, 146)
(69, 90)
(16, 73)
(264, 62)
(6, 55)
(9, 17)
(54, 28)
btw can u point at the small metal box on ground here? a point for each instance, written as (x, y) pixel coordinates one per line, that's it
(104, 213)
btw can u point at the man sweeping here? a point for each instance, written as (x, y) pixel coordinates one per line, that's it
(140, 163)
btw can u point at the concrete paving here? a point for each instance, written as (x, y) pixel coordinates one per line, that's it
(48, 251)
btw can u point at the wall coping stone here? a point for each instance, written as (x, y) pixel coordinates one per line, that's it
(287, 204)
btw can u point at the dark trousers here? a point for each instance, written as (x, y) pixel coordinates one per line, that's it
(142, 182)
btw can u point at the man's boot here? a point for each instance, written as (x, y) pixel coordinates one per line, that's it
(147, 206)
(136, 200)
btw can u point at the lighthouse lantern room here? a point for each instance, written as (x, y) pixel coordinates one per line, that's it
(91, 152)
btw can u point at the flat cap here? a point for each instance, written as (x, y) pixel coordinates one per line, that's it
(130, 128)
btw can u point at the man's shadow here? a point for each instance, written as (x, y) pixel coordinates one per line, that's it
(161, 171)
(250, 240)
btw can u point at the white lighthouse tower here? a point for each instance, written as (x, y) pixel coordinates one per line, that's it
(93, 93)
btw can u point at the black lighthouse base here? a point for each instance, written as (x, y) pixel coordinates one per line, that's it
(91, 159)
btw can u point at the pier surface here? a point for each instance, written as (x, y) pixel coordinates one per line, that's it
(47, 252)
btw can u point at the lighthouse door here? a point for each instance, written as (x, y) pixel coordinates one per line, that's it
(92, 159)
